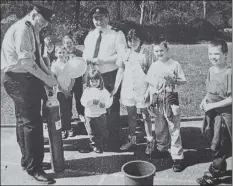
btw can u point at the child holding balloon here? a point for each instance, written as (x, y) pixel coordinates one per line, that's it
(64, 95)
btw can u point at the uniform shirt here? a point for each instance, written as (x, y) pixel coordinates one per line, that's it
(218, 84)
(112, 42)
(18, 44)
(158, 70)
(94, 93)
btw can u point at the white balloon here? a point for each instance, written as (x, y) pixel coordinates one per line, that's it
(74, 68)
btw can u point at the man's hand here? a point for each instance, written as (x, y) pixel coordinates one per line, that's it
(51, 81)
(97, 61)
(102, 105)
(95, 102)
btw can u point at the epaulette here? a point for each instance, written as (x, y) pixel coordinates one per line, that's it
(28, 23)
(115, 28)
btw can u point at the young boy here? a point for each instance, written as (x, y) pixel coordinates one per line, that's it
(217, 105)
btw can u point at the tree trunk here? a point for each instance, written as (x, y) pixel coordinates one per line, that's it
(204, 9)
(118, 7)
(142, 6)
(77, 11)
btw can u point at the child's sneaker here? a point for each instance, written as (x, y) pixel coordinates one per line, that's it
(97, 149)
(82, 118)
(64, 134)
(150, 146)
(207, 179)
(178, 165)
(71, 133)
(131, 142)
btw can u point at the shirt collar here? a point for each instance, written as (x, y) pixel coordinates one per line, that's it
(105, 30)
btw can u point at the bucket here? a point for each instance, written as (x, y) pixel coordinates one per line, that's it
(138, 172)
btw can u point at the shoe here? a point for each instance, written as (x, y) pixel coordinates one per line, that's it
(178, 166)
(97, 149)
(64, 134)
(71, 133)
(130, 143)
(82, 118)
(207, 179)
(42, 177)
(150, 146)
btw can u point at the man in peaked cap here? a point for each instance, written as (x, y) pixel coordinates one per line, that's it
(25, 75)
(102, 48)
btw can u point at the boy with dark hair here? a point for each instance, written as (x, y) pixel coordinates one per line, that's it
(217, 105)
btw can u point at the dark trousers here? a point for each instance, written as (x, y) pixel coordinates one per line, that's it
(113, 113)
(65, 110)
(26, 91)
(219, 164)
(78, 91)
(97, 129)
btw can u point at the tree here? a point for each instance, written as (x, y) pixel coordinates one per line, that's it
(142, 6)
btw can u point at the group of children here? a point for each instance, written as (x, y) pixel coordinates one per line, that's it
(153, 89)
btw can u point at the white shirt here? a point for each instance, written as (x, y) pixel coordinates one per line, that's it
(94, 93)
(57, 69)
(112, 43)
(133, 83)
(18, 43)
(159, 69)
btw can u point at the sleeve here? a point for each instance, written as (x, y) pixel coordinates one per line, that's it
(149, 76)
(85, 97)
(85, 51)
(229, 83)
(108, 100)
(23, 43)
(120, 45)
(180, 74)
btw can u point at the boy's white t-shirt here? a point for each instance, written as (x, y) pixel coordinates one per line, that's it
(57, 68)
(95, 93)
(158, 70)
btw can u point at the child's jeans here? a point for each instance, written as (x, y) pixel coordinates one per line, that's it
(165, 126)
(65, 110)
(97, 129)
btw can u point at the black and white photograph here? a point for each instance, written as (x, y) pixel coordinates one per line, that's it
(116, 92)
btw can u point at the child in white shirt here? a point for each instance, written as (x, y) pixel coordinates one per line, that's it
(64, 95)
(96, 100)
(131, 74)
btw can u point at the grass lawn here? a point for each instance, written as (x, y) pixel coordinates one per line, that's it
(195, 63)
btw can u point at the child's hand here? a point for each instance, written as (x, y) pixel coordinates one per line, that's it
(207, 106)
(114, 91)
(95, 102)
(202, 104)
(170, 79)
(102, 105)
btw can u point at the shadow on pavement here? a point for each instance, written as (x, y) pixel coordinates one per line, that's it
(93, 166)
(195, 145)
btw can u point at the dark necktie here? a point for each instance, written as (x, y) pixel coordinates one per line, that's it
(97, 46)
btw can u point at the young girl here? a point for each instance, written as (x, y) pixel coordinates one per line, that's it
(77, 90)
(96, 99)
(64, 95)
(164, 77)
(132, 73)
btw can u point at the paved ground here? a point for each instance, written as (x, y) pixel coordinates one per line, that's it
(105, 169)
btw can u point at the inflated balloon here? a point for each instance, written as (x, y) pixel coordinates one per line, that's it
(64, 81)
(74, 68)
